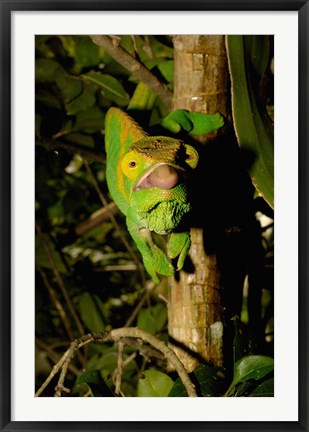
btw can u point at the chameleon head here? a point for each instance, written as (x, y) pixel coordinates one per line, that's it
(157, 168)
(158, 162)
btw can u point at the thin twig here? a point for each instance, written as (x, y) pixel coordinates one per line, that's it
(116, 336)
(118, 371)
(67, 358)
(54, 356)
(161, 346)
(54, 372)
(131, 64)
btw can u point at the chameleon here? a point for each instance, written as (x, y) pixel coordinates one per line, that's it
(146, 177)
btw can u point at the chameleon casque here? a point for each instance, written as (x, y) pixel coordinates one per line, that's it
(146, 178)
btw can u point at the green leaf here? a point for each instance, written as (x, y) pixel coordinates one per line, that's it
(252, 124)
(76, 94)
(46, 70)
(192, 122)
(252, 388)
(178, 389)
(105, 363)
(92, 312)
(143, 98)
(159, 313)
(70, 86)
(265, 389)
(208, 380)
(251, 367)
(126, 42)
(111, 87)
(95, 384)
(167, 70)
(257, 47)
(146, 321)
(152, 319)
(69, 44)
(83, 101)
(155, 384)
(86, 52)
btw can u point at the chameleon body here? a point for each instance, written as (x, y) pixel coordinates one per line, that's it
(146, 178)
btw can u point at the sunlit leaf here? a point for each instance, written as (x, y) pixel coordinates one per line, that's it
(152, 319)
(146, 321)
(143, 98)
(155, 384)
(251, 367)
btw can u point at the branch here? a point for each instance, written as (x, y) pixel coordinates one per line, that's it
(111, 45)
(53, 355)
(118, 371)
(115, 336)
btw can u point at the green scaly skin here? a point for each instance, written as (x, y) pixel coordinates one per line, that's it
(146, 178)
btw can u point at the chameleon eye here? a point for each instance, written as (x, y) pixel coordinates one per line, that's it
(129, 164)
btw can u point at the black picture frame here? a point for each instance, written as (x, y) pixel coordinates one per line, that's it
(6, 8)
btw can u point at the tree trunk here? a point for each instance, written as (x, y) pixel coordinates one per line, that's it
(195, 308)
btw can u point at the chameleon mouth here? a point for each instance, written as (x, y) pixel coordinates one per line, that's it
(162, 176)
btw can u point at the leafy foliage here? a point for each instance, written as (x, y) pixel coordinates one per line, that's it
(89, 276)
(248, 59)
